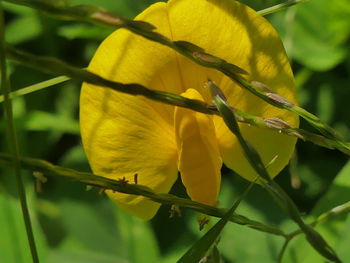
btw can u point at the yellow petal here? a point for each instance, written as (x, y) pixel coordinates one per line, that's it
(122, 139)
(125, 135)
(199, 156)
(238, 34)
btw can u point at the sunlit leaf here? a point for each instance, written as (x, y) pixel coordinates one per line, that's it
(317, 32)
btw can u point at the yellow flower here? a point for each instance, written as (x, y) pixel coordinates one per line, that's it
(125, 135)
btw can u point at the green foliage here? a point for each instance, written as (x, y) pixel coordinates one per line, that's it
(75, 225)
(240, 244)
(13, 238)
(206, 246)
(335, 230)
(319, 29)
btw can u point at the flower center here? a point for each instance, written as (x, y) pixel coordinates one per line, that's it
(199, 160)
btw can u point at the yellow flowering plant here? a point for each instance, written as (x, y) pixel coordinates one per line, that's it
(124, 135)
(161, 98)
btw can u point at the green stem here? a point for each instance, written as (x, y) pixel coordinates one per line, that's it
(279, 7)
(35, 87)
(287, 204)
(5, 87)
(47, 168)
(325, 217)
(55, 66)
(283, 250)
(265, 93)
(204, 245)
(230, 120)
(334, 212)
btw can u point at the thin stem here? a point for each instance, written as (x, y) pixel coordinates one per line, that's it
(325, 217)
(48, 169)
(334, 212)
(5, 87)
(35, 87)
(312, 236)
(55, 66)
(283, 250)
(203, 246)
(287, 204)
(279, 7)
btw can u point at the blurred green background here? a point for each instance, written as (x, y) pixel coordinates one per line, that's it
(75, 225)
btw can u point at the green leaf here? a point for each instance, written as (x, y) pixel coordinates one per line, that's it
(75, 158)
(316, 35)
(326, 103)
(241, 244)
(81, 228)
(333, 231)
(138, 241)
(84, 31)
(14, 247)
(13, 243)
(23, 29)
(67, 101)
(44, 121)
(77, 255)
(344, 241)
(17, 9)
